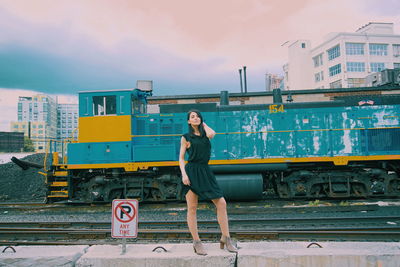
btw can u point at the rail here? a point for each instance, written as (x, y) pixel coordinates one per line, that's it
(371, 228)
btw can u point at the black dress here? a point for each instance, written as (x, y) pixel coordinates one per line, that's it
(202, 179)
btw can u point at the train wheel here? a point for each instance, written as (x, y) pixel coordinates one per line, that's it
(358, 190)
(317, 191)
(394, 187)
(115, 194)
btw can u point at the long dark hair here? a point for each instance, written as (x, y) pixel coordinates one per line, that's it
(201, 127)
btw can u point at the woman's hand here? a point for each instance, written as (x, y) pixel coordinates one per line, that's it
(185, 179)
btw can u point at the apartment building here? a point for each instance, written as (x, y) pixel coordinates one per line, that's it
(67, 121)
(272, 81)
(37, 119)
(343, 60)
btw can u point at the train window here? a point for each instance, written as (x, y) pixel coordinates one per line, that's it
(86, 106)
(138, 106)
(104, 105)
(121, 104)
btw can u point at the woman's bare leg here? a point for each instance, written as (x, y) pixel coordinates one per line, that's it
(192, 200)
(222, 215)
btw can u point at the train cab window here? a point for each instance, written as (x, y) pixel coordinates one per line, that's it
(104, 105)
(138, 106)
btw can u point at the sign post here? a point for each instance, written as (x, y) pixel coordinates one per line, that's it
(124, 223)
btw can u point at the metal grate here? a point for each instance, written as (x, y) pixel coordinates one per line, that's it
(381, 139)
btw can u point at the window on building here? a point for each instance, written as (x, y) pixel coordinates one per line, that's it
(354, 49)
(334, 52)
(396, 65)
(104, 105)
(336, 84)
(334, 70)
(377, 66)
(355, 82)
(355, 66)
(303, 45)
(40, 126)
(396, 50)
(378, 49)
(317, 77)
(318, 60)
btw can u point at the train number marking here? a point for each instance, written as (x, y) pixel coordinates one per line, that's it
(276, 109)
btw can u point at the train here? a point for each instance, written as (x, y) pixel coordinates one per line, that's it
(349, 148)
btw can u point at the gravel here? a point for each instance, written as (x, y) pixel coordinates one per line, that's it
(18, 185)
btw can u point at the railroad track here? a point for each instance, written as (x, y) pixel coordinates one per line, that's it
(308, 229)
(233, 208)
(270, 223)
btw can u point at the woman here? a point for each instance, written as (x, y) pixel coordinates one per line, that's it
(199, 181)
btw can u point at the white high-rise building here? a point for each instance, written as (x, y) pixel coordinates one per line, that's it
(37, 118)
(272, 81)
(343, 59)
(67, 121)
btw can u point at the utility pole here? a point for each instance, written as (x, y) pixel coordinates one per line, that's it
(241, 83)
(245, 81)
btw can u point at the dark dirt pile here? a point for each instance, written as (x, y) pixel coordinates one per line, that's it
(17, 185)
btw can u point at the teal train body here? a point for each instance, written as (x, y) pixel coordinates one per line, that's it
(338, 149)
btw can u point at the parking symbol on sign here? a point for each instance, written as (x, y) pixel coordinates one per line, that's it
(124, 218)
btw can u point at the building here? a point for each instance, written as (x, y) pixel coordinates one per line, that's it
(344, 59)
(37, 119)
(272, 81)
(67, 123)
(11, 142)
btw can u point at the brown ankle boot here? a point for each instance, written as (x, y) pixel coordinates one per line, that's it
(228, 242)
(198, 248)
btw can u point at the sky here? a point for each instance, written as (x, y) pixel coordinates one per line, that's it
(185, 46)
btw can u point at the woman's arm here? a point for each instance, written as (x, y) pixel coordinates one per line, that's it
(209, 132)
(184, 145)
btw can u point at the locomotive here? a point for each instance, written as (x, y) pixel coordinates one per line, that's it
(337, 149)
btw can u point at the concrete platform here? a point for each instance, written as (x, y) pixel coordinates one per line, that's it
(330, 254)
(143, 256)
(41, 256)
(277, 254)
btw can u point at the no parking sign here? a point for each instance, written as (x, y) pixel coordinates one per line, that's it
(124, 218)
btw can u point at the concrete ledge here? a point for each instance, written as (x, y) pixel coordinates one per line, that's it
(332, 254)
(41, 256)
(277, 254)
(142, 255)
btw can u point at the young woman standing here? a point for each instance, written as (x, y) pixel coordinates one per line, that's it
(199, 181)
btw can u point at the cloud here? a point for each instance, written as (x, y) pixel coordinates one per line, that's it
(67, 46)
